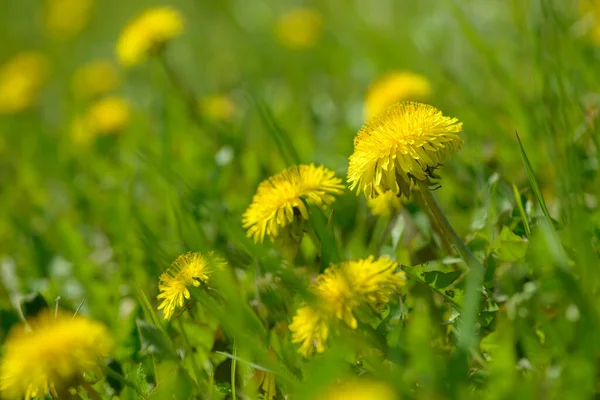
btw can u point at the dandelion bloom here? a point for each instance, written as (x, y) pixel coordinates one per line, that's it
(299, 28)
(394, 87)
(95, 79)
(359, 389)
(147, 33)
(52, 356)
(217, 107)
(280, 200)
(384, 204)
(403, 144)
(67, 18)
(340, 290)
(20, 81)
(109, 115)
(190, 269)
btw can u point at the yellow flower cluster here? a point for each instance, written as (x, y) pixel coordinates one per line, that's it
(384, 204)
(401, 145)
(147, 34)
(109, 115)
(67, 18)
(394, 87)
(282, 199)
(190, 269)
(52, 355)
(340, 290)
(20, 81)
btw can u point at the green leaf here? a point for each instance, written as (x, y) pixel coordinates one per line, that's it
(324, 233)
(436, 280)
(156, 342)
(509, 247)
(174, 384)
(8, 319)
(439, 279)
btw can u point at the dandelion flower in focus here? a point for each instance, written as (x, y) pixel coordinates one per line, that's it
(217, 107)
(339, 291)
(359, 389)
(299, 28)
(190, 269)
(384, 204)
(395, 87)
(52, 356)
(280, 200)
(67, 18)
(20, 81)
(95, 79)
(148, 33)
(403, 144)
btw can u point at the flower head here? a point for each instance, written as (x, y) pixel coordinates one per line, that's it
(299, 28)
(20, 80)
(279, 200)
(190, 269)
(217, 107)
(384, 204)
(359, 389)
(67, 18)
(339, 291)
(52, 356)
(394, 87)
(147, 33)
(94, 79)
(106, 116)
(404, 143)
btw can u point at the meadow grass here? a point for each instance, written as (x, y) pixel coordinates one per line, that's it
(91, 224)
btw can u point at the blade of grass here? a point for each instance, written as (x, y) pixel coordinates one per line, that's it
(521, 210)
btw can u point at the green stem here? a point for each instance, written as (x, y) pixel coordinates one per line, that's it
(233, 365)
(444, 224)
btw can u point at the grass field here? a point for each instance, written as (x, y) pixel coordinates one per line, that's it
(134, 134)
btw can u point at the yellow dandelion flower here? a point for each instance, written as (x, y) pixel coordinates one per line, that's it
(217, 107)
(299, 28)
(67, 18)
(20, 81)
(340, 290)
(108, 115)
(279, 200)
(404, 143)
(394, 87)
(310, 327)
(148, 33)
(384, 204)
(94, 79)
(190, 269)
(359, 389)
(52, 356)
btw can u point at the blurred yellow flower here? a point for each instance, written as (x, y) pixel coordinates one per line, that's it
(217, 107)
(108, 115)
(95, 79)
(384, 204)
(590, 9)
(403, 144)
(148, 33)
(394, 87)
(359, 389)
(67, 18)
(340, 290)
(280, 200)
(52, 356)
(20, 81)
(190, 269)
(299, 28)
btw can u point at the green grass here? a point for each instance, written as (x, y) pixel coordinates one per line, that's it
(98, 225)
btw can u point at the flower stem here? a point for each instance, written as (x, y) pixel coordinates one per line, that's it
(444, 224)
(233, 365)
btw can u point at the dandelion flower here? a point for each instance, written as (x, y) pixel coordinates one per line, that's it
(217, 107)
(359, 389)
(299, 28)
(340, 291)
(20, 81)
(148, 33)
(394, 87)
(67, 18)
(403, 144)
(95, 79)
(280, 200)
(384, 204)
(310, 327)
(52, 356)
(190, 269)
(109, 115)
